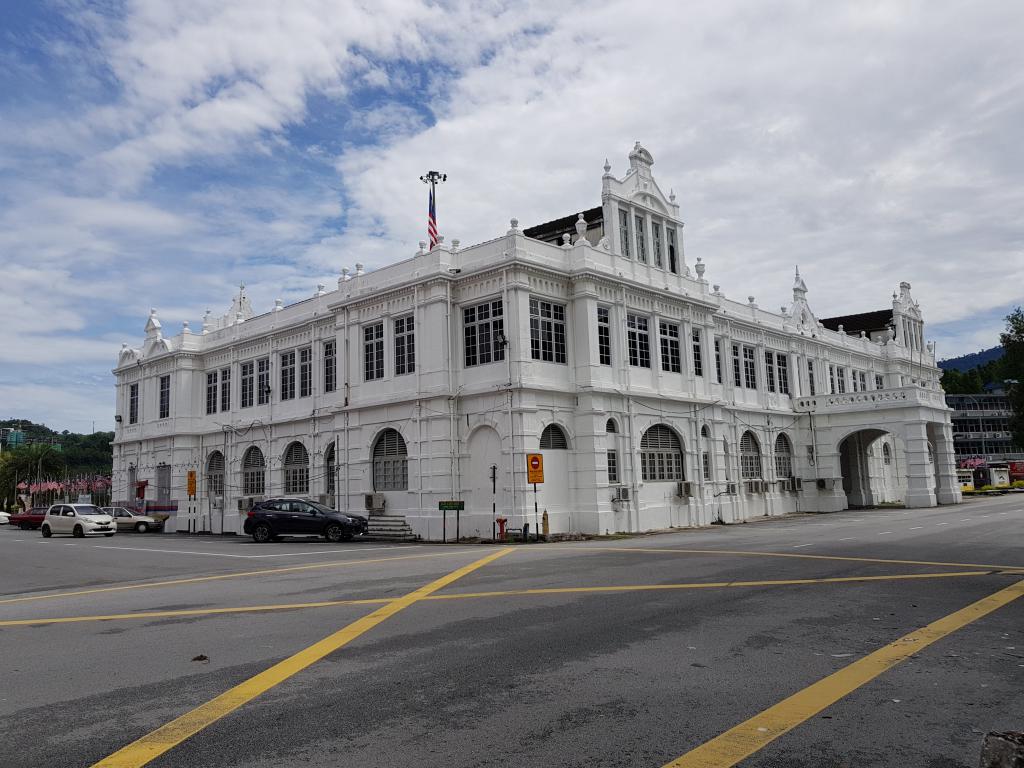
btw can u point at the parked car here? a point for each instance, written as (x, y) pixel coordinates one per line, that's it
(4, 518)
(273, 518)
(127, 520)
(30, 519)
(77, 519)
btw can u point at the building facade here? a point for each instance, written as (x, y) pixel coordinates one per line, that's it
(655, 400)
(981, 427)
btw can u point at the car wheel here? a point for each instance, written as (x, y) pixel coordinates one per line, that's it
(24, 526)
(47, 533)
(261, 534)
(78, 533)
(108, 535)
(334, 532)
(141, 527)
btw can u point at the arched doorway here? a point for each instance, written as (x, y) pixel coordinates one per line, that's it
(484, 448)
(869, 460)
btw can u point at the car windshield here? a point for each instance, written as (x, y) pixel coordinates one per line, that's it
(88, 509)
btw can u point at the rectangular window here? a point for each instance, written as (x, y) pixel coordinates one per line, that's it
(373, 352)
(133, 404)
(673, 261)
(547, 331)
(641, 246)
(330, 366)
(165, 397)
(656, 242)
(879, 382)
(225, 389)
(668, 337)
(482, 325)
(246, 391)
(305, 372)
(613, 467)
(832, 379)
(604, 336)
(769, 368)
(698, 360)
(705, 460)
(813, 389)
(718, 360)
(288, 375)
(624, 232)
(841, 379)
(263, 381)
(749, 368)
(211, 392)
(405, 346)
(638, 341)
(782, 361)
(737, 376)
(863, 380)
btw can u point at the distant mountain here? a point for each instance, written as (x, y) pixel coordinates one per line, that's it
(973, 360)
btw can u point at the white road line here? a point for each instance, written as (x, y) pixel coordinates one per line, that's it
(884, 532)
(797, 546)
(965, 519)
(942, 523)
(917, 527)
(245, 557)
(848, 538)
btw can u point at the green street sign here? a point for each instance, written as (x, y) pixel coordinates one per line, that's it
(451, 506)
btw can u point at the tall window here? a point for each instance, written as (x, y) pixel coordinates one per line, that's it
(373, 352)
(832, 379)
(668, 338)
(305, 372)
(769, 367)
(705, 457)
(749, 368)
(783, 457)
(247, 382)
(405, 345)
(656, 242)
(639, 341)
(863, 380)
(165, 397)
(215, 475)
(611, 427)
(263, 381)
(211, 392)
(886, 454)
(547, 331)
(296, 469)
(133, 403)
(727, 459)
(641, 246)
(698, 359)
(879, 382)
(718, 360)
(483, 324)
(330, 365)
(737, 376)
(810, 378)
(782, 360)
(854, 381)
(330, 472)
(390, 462)
(225, 389)
(624, 232)
(841, 379)
(613, 466)
(604, 336)
(254, 472)
(750, 457)
(553, 438)
(288, 375)
(673, 262)
(661, 455)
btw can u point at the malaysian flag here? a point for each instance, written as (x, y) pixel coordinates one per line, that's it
(432, 220)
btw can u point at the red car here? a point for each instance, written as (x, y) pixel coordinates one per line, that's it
(29, 520)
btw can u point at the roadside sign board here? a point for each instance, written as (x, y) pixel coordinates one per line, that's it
(534, 468)
(451, 506)
(191, 482)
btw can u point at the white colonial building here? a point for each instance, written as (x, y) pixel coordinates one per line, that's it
(654, 399)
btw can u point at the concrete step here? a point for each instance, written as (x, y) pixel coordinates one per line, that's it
(389, 528)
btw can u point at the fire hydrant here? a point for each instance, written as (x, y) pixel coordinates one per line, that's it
(501, 526)
(544, 522)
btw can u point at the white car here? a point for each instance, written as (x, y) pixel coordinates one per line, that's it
(4, 518)
(77, 519)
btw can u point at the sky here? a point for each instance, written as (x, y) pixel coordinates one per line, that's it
(158, 154)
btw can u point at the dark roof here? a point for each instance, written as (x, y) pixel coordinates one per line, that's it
(868, 322)
(556, 227)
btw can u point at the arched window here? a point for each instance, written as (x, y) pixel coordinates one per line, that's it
(254, 472)
(296, 469)
(610, 426)
(553, 438)
(390, 465)
(661, 455)
(750, 457)
(886, 454)
(783, 457)
(215, 475)
(330, 473)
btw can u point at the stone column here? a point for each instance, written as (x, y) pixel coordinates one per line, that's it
(947, 484)
(920, 474)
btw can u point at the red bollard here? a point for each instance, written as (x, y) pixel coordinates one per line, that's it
(501, 526)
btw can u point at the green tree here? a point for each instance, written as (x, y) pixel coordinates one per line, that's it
(1013, 370)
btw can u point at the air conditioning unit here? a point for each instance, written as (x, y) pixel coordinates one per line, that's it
(375, 502)
(323, 498)
(730, 488)
(684, 489)
(621, 493)
(245, 503)
(797, 484)
(756, 486)
(826, 483)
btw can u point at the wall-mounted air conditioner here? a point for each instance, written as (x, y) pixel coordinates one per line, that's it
(374, 502)
(684, 489)
(621, 493)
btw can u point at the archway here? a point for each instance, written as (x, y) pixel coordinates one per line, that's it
(869, 460)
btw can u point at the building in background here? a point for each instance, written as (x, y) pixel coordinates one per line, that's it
(655, 400)
(981, 427)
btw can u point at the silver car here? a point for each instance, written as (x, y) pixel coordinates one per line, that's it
(133, 521)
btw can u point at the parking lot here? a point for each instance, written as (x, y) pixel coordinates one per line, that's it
(876, 637)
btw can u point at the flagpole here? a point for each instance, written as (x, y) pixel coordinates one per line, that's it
(433, 178)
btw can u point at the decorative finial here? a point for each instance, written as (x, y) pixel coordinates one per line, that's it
(700, 266)
(565, 240)
(581, 227)
(671, 195)
(320, 289)
(184, 327)
(278, 305)
(607, 166)
(423, 246)
(359, 269)
(455, 244)
(514, 223)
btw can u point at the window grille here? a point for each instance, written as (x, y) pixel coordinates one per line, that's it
(211, 392)
(165, 397)
(782, 361)
(841, 379)
(483, 324)
(668, 337)
(263, 381)
(769, 368)
(133, 403)
(305, 372)
(296, 469)
(610, 426)
(405, 345)
(547, 331)
(750, 457)
(698, 359)
(749, 368)
(253, 472)
(373, 352)
(247, 384)
(553, 438)
(613, 466)
(225, 389)
(288, 375)
(604, 336)
(783, 457)
(661, 455)
(330, 366)
(737, 376)
(390, 462)
(638, 341)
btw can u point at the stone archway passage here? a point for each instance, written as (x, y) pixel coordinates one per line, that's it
(868, 479)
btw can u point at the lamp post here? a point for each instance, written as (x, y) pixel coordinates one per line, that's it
(433, 178)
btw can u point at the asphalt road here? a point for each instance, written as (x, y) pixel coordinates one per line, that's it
(631, 652)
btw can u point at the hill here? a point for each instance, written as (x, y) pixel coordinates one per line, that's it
(973, 360)
(82, 454)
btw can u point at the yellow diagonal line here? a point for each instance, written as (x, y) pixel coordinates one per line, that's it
(232, 575)
(747, 738)
(153, 745)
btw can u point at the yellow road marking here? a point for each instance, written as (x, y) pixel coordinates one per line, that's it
(793, 555)
(153, 745)
(501, 593)
(233, 575)
(747, 738)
